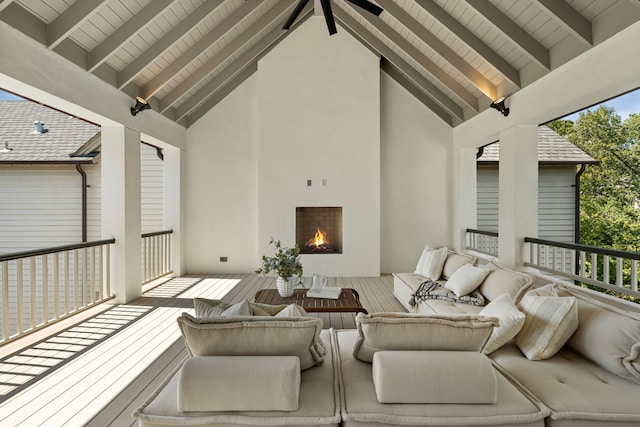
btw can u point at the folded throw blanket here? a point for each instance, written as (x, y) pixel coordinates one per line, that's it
(433, 290)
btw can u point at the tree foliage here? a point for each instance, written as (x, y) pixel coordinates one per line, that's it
(610, 190)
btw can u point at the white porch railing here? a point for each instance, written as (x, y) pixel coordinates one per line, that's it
(484, 242)
(42, 286)
(605, 268)
(156, 255)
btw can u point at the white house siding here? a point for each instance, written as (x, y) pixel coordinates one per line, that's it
(487, 196)
(555, 201)
(41, 206)
(152, 199)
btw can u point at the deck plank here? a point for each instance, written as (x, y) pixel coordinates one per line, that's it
(106, 383)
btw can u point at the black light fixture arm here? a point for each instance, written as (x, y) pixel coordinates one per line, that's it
(141, 105)
(498, 104)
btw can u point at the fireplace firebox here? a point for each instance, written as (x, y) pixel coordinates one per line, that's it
(319, 230)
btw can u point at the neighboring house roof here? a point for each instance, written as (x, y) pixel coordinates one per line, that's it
(66, 139)
(552, 149)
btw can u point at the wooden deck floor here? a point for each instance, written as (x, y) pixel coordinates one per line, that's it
(96, 369)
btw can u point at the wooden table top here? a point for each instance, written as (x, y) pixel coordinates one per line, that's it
(348, 302)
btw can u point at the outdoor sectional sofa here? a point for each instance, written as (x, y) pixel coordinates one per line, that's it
(431, 366)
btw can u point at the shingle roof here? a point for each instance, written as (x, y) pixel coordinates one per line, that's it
(552, 148)
(65, 134)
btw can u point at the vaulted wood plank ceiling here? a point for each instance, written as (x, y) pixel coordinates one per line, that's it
(184, 56)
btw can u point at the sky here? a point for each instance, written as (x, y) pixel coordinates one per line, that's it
(7, 96)
(624, 105)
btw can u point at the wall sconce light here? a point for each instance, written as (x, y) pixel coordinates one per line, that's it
(141, 105)
(498, 104)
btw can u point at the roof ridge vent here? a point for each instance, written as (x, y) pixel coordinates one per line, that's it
(39, 127)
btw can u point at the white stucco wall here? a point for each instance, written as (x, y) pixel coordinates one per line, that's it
(319, 119)
(416, 179)
(330, 114)
(222, 181)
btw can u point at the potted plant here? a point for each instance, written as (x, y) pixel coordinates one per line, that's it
(286, 265)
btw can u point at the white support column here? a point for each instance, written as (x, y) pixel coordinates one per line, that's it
(174, 191)
(518, 193)
(121, 217)
(465, 198)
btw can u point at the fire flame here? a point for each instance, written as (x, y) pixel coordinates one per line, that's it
(320, 239)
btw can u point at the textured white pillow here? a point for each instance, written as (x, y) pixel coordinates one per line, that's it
(239, 309)
(292, 310)
(431, 262)
(550, 322)
(511, 321)
(466, 279)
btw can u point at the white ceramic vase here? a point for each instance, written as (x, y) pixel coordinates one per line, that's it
(285, 287)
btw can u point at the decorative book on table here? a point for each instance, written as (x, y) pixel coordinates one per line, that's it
(326, 292)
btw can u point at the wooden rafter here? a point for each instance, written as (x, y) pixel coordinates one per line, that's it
(166, 41)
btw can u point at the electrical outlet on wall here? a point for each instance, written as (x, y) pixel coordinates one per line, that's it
(224, 259)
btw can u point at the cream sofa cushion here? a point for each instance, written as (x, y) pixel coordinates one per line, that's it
(511, 321)
(254, 336)
(502, 280)
(360, 406)
(550, 321)
(578, 392)
(431, 262)
(434, 377)
(400, 331)
(250, 383)
(466, 279)
(319, 402)
(606, 334)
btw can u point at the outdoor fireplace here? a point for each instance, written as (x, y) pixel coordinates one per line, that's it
(319, 230)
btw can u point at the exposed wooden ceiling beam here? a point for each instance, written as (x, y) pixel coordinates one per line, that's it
(503, 23)
(397, 75)
(221, 94)
(569, 18)
(437, 45)
(73, 17)
(382, 49)
(438, 73)
(227, 87)
(218, 32)
(130, 72)
(4, 4)
(26, 22)
(225, 53)
(470, 39)
(123, 34)
(240, 63)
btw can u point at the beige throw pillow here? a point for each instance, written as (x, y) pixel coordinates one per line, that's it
(466, 279)
(239, 309)
(550, 322)
(502, 280)
(511, 321)
(431, 262)
(292, 310)
(400, 331)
